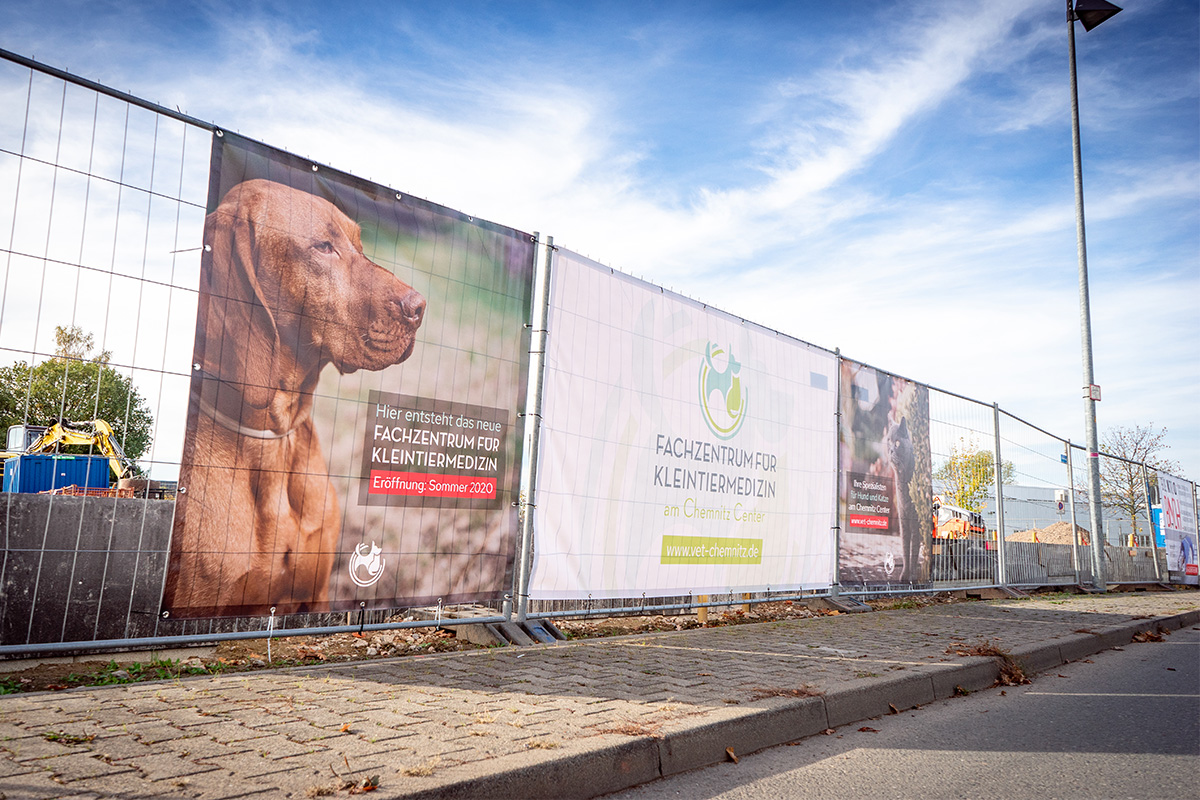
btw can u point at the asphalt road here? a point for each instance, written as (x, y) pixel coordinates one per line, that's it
(1124, 723)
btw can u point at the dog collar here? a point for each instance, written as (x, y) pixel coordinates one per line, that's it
(206, 400)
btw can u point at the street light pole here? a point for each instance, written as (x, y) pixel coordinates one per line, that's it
(1091, 13)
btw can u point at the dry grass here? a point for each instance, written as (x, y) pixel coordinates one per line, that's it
(1011, 671)
(630, 728)
(760, 692)
(422, 770)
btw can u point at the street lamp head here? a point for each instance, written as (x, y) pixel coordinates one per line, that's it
(1092, 12)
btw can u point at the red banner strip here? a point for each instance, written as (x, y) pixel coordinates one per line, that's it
(867, 521)
(420, 484)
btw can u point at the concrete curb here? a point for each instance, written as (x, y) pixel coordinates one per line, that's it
(591, 771)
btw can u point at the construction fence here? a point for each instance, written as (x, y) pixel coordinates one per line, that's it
(247, 392)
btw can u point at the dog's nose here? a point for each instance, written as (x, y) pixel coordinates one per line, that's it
(412, 307)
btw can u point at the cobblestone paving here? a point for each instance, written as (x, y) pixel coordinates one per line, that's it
(418, 721)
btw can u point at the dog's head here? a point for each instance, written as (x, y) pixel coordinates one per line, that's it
(290, 267)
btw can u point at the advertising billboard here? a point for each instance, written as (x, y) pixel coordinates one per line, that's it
(886, 490)
(1178, 521)
(359, 363)
(682, 450)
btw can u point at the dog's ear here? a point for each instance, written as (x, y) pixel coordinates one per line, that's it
(241, 339)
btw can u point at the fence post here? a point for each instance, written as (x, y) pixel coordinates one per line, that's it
(1074, 525)
(1001, 555)
(1150, 520)
(533, 419)
(837, 474)
(1096, 514)
(1196, 524)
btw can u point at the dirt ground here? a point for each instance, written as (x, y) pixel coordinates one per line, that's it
(254, 654)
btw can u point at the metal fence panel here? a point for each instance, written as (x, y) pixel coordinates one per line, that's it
(102, 204)
(962, 439)
(1039, 534)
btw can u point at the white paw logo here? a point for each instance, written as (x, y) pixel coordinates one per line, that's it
(366, 565)
(889, 564)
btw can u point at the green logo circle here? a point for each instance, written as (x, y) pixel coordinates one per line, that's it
(723, 399)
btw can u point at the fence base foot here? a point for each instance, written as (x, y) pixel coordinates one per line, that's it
(842, 603)
(486, 634)
(993, 593)
(514, 633)
(1141, 587)
(542, 631)
(522, 634)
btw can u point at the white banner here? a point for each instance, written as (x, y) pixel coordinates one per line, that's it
(682, 449)
(1178, 522)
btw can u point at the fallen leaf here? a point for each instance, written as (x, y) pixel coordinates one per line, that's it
(1170, 669)
(865, 729)
(892, 709)
(1061, 675)
(828, 731)
(729, 754)
(345, 727)
(1003, 693)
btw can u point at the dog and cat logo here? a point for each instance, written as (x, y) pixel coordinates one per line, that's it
(723, 399)
(366, 565)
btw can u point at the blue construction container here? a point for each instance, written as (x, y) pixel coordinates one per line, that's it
(42, 473)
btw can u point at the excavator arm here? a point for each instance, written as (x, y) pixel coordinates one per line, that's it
(96, 433)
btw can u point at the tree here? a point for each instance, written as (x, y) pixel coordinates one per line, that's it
(969, 475)
(75, 344)
(1122, 484)
(73, 385)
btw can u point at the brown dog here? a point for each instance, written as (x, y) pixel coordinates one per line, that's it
(285, 291)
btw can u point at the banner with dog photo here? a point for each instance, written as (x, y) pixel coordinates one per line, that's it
(360, 360)
(886, 491)
(682, 450)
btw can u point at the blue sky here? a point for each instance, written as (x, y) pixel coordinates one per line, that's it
(890, 178)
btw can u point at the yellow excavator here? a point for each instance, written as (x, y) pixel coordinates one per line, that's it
(96, 433)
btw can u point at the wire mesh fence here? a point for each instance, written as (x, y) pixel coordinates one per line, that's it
(102, 207)
(964, 543)
(1040, 540)
(99, 224)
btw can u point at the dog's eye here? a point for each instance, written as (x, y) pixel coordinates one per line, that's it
(323, 247)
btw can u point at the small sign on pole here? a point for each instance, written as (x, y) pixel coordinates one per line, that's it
(1092, 392)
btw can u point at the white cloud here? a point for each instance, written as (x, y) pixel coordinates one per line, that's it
(951, 282)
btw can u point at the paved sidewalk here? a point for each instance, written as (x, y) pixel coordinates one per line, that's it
(574, 719)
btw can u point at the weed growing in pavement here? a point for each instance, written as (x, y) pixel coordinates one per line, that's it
(68, 738)
(156, 670)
